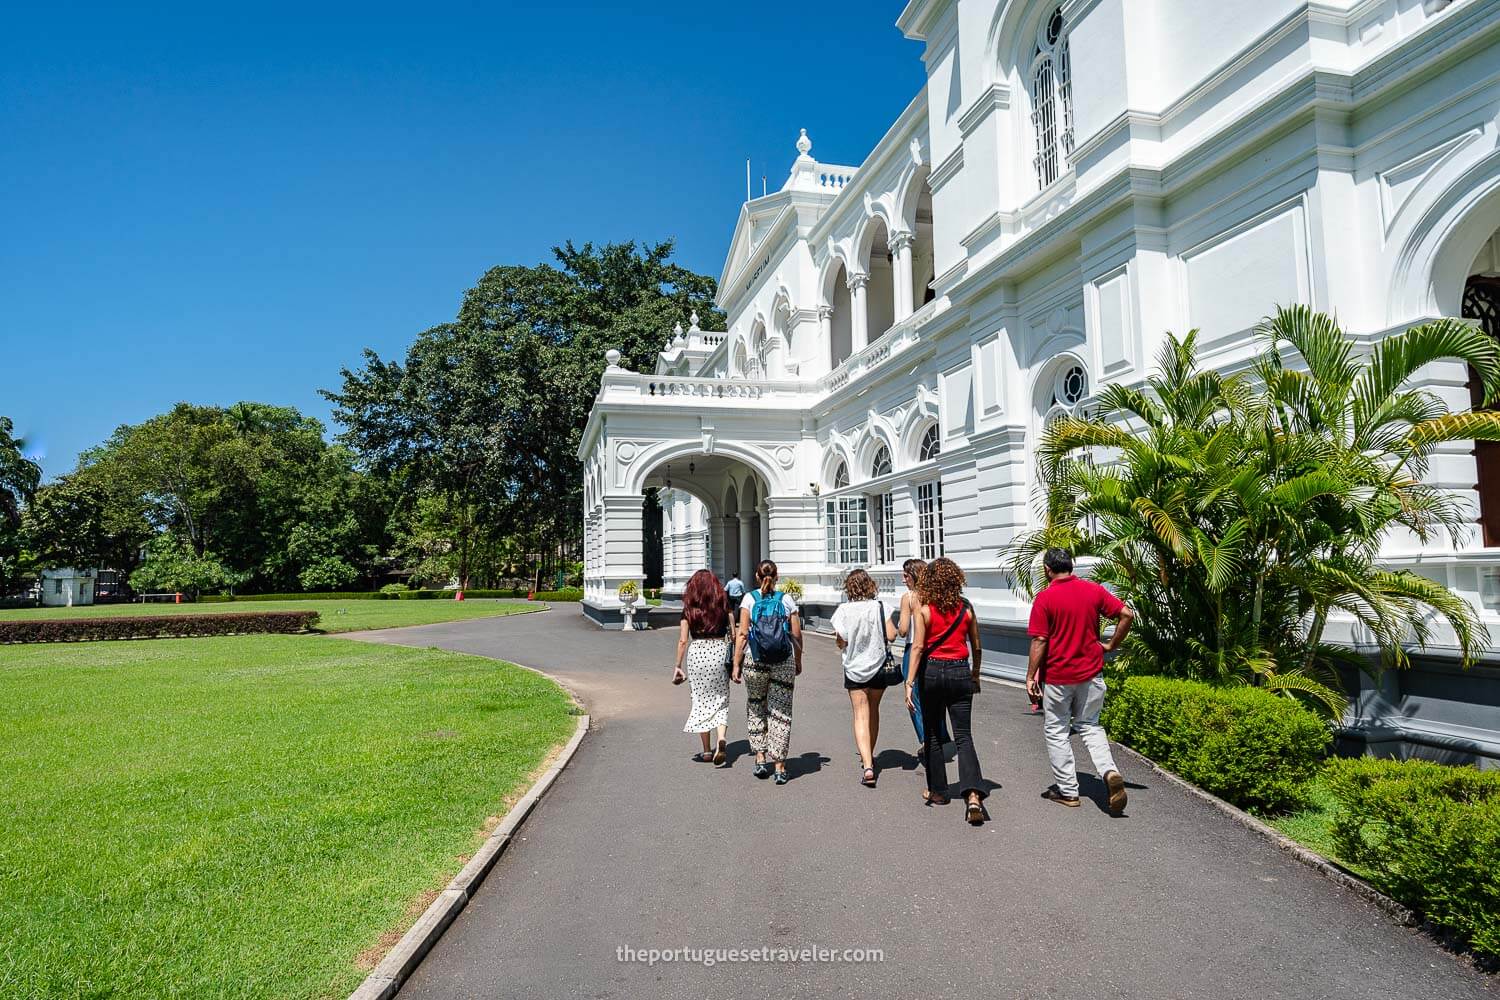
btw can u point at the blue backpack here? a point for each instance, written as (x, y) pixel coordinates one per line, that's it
(770, 629)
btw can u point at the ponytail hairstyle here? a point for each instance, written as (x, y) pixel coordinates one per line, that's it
(766, 573)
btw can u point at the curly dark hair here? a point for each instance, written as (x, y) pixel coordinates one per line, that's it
(941, 585)
(859, 585)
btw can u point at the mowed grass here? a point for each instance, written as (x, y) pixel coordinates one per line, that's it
(243, 816)
(336, 616)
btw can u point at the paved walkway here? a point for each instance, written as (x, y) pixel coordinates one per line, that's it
(636, 846)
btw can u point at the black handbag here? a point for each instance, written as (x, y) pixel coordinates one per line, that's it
(890, 670)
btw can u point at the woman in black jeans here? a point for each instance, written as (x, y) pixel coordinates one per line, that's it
(946, 635)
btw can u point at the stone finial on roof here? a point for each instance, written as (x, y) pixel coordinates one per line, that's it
(693, 319)
(804, 144)
(612, 359)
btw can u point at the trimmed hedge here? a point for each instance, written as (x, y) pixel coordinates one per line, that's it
(156, 626)
(560, 596)
(1254, 748)
(362, 595)
(1428, 835)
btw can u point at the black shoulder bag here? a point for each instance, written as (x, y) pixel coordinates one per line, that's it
(890, 670)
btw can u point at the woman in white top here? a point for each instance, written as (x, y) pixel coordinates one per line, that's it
(862, 632)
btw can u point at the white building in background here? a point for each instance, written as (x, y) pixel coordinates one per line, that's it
(67, 587)
(1073, 181)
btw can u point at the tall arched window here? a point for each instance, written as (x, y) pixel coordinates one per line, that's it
(841, 476)
(1051, 100)
(931, 446)
(881, 465)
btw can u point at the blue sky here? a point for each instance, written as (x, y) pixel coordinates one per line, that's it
(215, 202)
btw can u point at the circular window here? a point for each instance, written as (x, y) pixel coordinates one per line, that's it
(1054, 26)
(1073, 386)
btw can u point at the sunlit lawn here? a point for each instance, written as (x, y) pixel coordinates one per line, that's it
(244, 816)
(336, 616)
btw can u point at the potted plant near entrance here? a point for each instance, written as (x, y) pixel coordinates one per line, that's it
(792, 588)
(630, 592)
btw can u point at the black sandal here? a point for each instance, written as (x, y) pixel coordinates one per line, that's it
(705, 757)
(762, 769)
(868, 778)
(781, 778)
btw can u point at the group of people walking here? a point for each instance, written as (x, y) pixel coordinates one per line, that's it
(734, 633)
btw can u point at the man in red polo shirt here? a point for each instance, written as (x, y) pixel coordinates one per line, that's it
(1066, 670)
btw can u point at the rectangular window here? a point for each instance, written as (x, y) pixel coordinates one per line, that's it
(930, 520)
(848, 535)
(883, 527)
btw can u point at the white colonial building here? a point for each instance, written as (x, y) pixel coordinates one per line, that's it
(1072, 181)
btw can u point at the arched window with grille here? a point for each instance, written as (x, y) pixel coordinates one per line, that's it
(881, 464)
(1051, 101)
(931, 447)
(841, 476)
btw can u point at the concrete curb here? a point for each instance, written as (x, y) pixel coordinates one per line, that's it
(1307, 856)
(398, 964)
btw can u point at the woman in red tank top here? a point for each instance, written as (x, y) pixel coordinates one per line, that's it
(946, 636)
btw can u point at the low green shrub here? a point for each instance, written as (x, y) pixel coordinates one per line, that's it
(1254, 748)
(326, 595)
(156, 626)
(1427, 835)
(566, 594)
(394, 588)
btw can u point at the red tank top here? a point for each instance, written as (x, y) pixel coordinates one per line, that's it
(956, 646)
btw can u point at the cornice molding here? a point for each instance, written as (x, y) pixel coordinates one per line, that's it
(995, 97)
(945, 171)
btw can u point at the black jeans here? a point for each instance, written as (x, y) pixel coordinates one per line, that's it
(948, 686)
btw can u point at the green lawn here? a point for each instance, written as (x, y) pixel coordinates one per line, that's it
(243, 816)
(337, 616)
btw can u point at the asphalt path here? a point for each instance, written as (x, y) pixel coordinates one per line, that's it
(636, 847)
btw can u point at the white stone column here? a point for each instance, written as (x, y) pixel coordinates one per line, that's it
(747, 549)
(901, 251)
(859, 317)
(622, 521)
(765, 529)
(721, 533)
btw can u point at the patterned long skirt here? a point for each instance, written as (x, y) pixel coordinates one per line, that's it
(768, 722)
(709, 678)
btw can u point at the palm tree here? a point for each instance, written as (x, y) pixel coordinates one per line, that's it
(1238, 513)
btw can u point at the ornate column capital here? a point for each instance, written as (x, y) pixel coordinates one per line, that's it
(825, 312)
(901, 241)
(857, 280)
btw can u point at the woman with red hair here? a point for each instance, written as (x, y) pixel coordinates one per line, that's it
(704, 641)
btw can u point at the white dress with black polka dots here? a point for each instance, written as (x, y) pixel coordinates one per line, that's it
(709, 679)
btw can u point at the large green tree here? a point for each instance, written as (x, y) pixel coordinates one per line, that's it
(19, 477)
(485, 413)
(254, 488)
(1240, 513)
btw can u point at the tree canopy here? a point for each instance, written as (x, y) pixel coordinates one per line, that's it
(485, 413)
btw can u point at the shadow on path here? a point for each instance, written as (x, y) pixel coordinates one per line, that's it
(637, 847)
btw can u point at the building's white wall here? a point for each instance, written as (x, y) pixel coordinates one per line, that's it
(1232, 156)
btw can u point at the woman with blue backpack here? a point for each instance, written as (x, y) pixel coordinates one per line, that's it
(771, 631)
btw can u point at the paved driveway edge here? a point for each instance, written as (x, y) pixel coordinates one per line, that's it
(1306, 855)
(386, 979)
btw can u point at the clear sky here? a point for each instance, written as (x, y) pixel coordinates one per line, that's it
(213, 202)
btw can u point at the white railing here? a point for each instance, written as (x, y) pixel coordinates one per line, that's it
(835, 179)
(899, 338)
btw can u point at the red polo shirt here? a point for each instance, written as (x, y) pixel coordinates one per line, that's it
(1067, 615)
